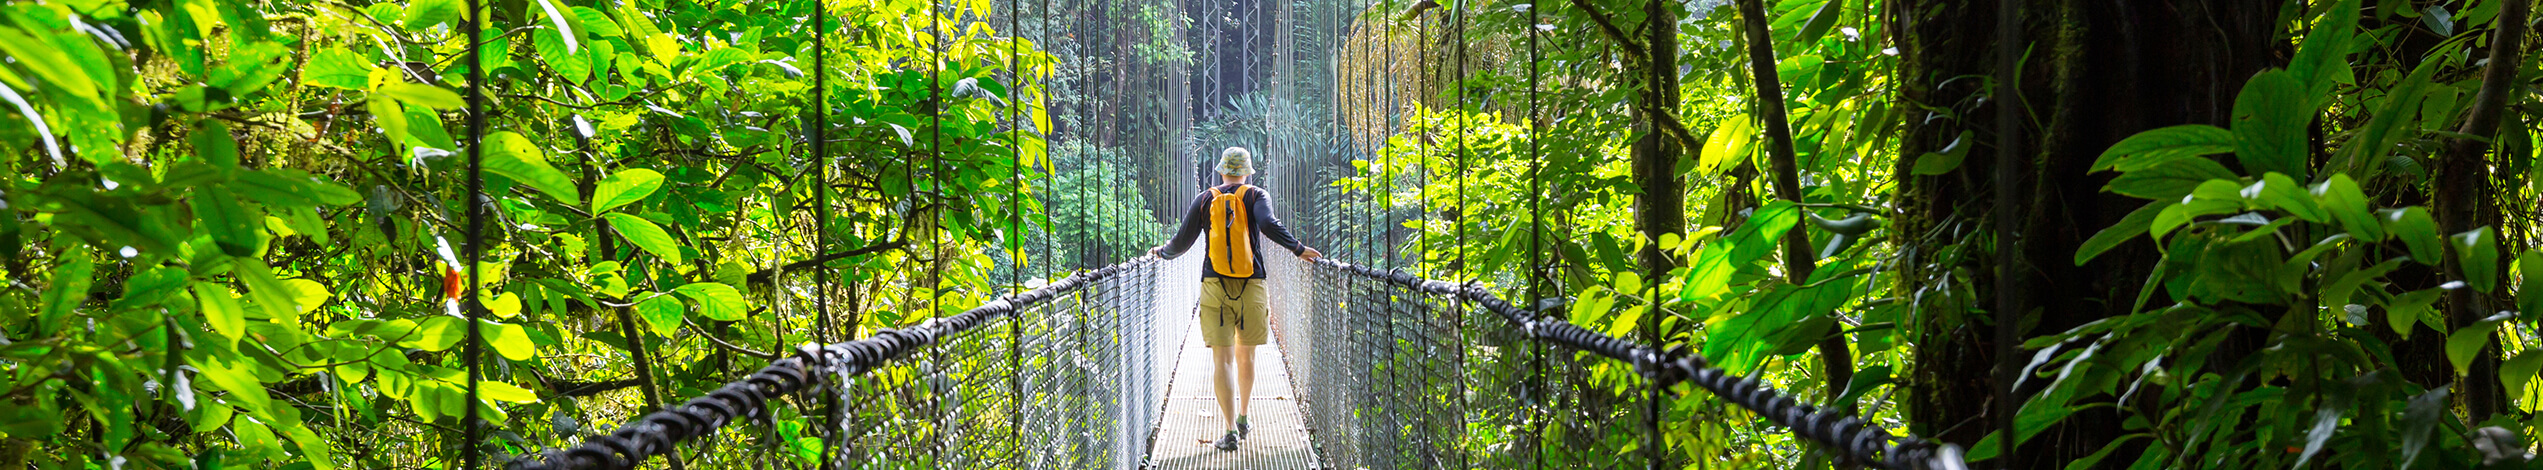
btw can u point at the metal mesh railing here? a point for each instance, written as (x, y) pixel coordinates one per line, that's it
(1072, 383)
(1405, 372)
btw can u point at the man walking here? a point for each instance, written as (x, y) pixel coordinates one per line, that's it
(1235, 314)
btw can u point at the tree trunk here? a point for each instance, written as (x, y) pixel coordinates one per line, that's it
(1835, 357)
(1661, 208)
(2464, 202)
(2099, 72)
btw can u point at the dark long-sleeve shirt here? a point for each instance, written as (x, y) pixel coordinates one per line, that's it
(1257, 207)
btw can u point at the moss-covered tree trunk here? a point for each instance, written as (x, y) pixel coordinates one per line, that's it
(2096, 72)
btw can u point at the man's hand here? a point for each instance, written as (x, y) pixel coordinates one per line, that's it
(1152, 251)
(1311, 254)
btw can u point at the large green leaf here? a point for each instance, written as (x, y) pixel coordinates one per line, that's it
(2477, 254)
(2465, 343)
(422, 14)
(2341, 197)
(662, 313)
(645, 235)
(2518, 371)
(220, 310)
(438, 333)
(236, 229)
(2269, 124)
(624, 188)
(510, 340)
(2146, 149)
(337, 67)
(1949, 158)
(2170, 179)
(513, 156)
(1727, 144)
(424, 95)
(2325, 48)
(286, 187)
(716, 300)
(69, 288)
(2128, 227)
(212, 143)
(2418, 231)
(2277, 191)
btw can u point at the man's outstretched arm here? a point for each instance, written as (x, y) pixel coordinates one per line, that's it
(1261, 208)
(1195, 220)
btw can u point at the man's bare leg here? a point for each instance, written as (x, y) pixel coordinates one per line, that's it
(1244, 377)
(1219, 358)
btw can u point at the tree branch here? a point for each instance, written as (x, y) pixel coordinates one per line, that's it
(765, 274)
(1607, 26)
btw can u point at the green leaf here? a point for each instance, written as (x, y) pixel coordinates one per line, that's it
(438, 333)
(556, 18)
(285, 187)
(2517, 372)
(424, 14)
(2149, 148)
(234, 228)
(663, 313)
(268, 294)
(510, 340)
(2419, 231)
(320, 455)
(515, 157)
(2410, 309)
(2168, 180)
(2341, 197)
(1728, 142)
(1936, 163)
(220, 310)
(2326, 47)
(505, 392)
(2277, 191)
(2477, 253)
(624, 188)
(69, 288)
(595, 22)
(716, 300)
(2465, 343)
(337, 67)
(389, 114)
(2269, 124)
(1820, 22)
(52, 64)
(2128, 228)
(424, 95)
(212, 143)
(644, 234)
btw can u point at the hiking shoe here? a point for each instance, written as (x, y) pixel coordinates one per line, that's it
(1227, 443)
(1243, 431)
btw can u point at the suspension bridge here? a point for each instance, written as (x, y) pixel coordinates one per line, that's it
(1100, 370)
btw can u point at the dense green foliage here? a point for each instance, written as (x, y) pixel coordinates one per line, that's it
(230, 230)
(230, 223)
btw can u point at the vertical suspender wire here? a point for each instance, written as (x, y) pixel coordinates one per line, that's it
(936, 218)
(476, 224)
(1536, 240)
(1386, 243)
(2008, 312)
(821, 221)
(1015, 214)
(1457, 274)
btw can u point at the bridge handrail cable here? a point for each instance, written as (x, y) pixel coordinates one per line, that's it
(1852, 438)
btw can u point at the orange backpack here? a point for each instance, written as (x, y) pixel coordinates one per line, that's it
(1231, 241)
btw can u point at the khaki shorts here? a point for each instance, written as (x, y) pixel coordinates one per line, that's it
(1226, 318)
